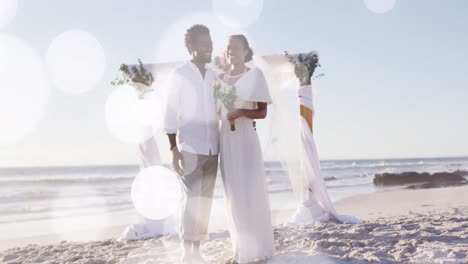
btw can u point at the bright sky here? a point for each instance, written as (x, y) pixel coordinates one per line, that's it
(396, 82)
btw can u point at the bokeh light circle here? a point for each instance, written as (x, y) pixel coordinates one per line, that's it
(380, 6)
(156, 192)
(131, 119)
(75, 61)
(24, 91)
(238, 13)
(171, 46)
(7, 11)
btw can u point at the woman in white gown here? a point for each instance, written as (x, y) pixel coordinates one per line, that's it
(317, 206)
(241, 163)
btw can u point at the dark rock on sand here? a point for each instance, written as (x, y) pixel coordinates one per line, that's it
(421, 180)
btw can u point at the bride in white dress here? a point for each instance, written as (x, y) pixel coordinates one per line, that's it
(241, 163)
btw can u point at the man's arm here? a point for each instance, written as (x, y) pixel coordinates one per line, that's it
(171, 124)
(176, 155)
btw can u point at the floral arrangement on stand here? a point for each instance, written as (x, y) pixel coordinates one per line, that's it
(136, 76)
(305, 65)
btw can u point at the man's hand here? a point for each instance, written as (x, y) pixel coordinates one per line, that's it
(177, 160)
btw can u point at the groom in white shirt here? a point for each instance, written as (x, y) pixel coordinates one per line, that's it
(191, 115)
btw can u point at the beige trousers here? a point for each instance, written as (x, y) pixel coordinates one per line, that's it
(198, 183)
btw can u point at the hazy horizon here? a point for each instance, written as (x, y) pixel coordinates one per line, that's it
(266, 161)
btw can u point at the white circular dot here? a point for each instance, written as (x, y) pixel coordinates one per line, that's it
(171, 46)
(75, 61)
(7, 11)
(238, 13)
(24, 90)
(380, 6)
(149, 111)
(156, 192)
(131, 119)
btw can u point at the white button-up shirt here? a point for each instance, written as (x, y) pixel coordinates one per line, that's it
(191, 110)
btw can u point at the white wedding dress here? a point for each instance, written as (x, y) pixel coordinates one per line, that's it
(317, 205)
(243, 174)
(148, 228)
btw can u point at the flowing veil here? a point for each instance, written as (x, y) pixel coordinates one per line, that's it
(292, 143)
(282, 140)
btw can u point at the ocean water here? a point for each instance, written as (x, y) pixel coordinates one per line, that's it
(28, 194)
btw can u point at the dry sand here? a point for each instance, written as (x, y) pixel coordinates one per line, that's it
(406, 226)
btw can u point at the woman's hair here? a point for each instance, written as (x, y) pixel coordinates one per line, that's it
(245, 42)
(193, 33)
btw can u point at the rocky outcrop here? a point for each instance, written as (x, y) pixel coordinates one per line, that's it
(421, 180)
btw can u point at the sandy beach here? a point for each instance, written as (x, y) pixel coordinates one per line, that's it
(402, 226)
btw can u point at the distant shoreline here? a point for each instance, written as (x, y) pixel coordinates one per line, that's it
(266, 161)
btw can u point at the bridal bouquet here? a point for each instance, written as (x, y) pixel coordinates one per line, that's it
(304, 64)
(138, 77)
(227, 95)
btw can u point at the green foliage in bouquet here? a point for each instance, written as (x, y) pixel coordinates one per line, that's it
(228, 97)
(304, 64)
(137, 75)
